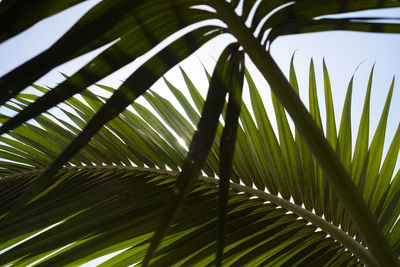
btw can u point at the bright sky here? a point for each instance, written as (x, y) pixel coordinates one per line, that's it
(343, 52)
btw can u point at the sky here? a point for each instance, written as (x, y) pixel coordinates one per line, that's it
(346, 54)
(343, 52)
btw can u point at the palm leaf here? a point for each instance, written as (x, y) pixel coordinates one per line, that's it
(95, 209)
(17, 16)
(134, 28)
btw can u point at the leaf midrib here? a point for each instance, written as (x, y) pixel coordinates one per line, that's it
(347, 241)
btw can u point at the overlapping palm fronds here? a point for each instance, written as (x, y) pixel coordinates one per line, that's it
(134, 28)
(111, 195)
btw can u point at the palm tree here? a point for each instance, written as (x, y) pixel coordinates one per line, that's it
(135, 27)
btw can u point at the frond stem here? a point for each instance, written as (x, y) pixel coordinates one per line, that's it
(347, 241)
(337, 175)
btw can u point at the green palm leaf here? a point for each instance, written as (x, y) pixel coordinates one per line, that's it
(95, 209)
(134, 28)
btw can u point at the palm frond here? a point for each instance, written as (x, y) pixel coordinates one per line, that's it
(97, 209)
(134, 28)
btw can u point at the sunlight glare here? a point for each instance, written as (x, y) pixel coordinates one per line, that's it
(182, 142)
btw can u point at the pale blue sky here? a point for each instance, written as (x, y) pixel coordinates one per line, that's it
(343, 52)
